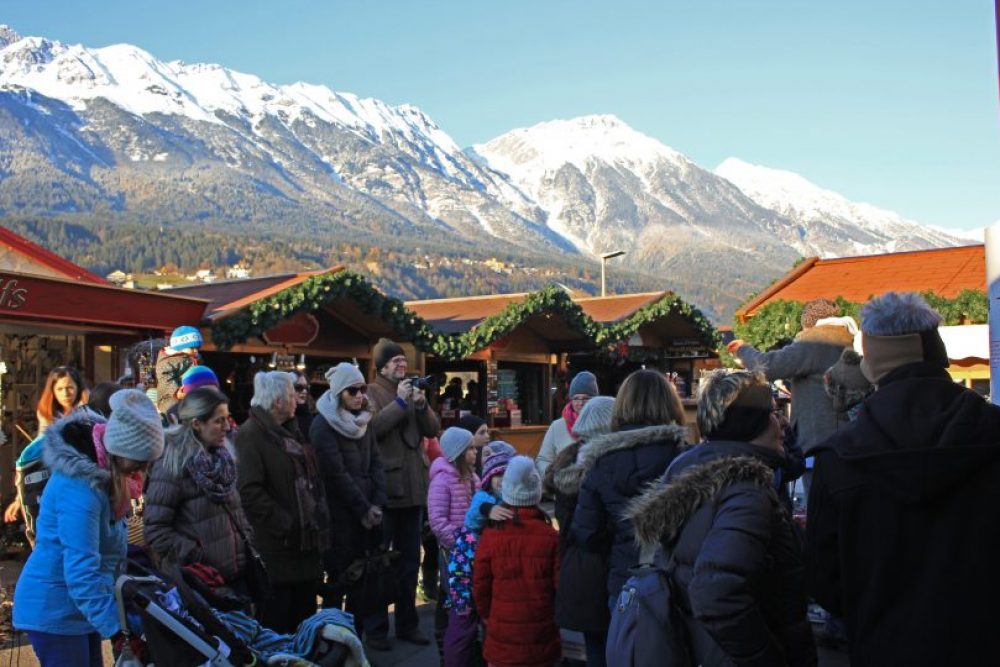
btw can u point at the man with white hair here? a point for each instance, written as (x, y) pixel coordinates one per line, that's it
(903, 513)
(282, 495)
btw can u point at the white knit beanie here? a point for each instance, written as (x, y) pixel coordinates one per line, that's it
(522, 485)
(344, 375)
(595, 418)
(454, 441)
(135, 430)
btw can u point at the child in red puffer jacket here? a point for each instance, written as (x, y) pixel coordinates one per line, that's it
(515, 575)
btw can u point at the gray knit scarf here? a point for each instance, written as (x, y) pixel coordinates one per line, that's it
(351, 426)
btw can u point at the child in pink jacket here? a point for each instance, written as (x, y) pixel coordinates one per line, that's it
(453, 483)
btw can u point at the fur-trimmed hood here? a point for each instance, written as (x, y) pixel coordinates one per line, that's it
(61, 456)
(828, 334)
(569, 479)
(661, 511)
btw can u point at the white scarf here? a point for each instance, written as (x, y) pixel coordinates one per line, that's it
(347, 424)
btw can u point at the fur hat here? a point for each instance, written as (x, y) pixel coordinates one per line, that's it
(522, 485)
(185, 338)
(595, 418)
(454, 441)
(385, 350)
(199, 376)
(899, 329)
(816, 310)
(135, 430)
(495, 464)
(342, 376)
(844, 382)
(584, 382)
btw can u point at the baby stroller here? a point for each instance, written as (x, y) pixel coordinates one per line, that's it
(180, 629)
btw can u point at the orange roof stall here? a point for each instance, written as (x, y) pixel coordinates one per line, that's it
(945, 271)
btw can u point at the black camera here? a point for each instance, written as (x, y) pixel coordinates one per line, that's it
(422, 383)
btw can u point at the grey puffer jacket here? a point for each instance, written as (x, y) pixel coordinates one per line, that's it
(739, 567)
(182, 525)
(803, 364)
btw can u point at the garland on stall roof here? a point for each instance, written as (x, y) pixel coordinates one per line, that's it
(311, 295)
(316, 291)
(669, 304)
(779, 321)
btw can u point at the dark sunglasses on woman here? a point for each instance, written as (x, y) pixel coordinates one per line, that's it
(353, 391)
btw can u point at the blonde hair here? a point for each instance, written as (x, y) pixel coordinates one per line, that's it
(717, 391)
(646, 398)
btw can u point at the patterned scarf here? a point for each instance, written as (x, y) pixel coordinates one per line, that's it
(310, 498)
(214, 472)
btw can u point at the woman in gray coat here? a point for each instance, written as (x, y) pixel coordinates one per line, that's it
(192, 499)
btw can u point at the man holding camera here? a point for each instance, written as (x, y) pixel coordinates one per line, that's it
(402, 419)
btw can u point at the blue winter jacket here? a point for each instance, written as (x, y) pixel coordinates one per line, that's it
(67, 585)
(479, 510)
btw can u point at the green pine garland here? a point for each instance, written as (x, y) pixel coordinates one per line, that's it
(314, 292)
(779, 320)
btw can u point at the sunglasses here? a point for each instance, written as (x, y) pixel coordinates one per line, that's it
(353, 391)
(301, 387)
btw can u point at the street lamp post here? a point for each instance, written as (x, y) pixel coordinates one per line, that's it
(604, 265)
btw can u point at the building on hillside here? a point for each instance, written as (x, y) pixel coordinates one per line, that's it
(945, 271)
(238, 272)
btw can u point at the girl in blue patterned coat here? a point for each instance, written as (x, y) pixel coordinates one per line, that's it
(463, 622)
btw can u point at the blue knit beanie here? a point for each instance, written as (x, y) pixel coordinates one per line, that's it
(454, 441)
(185, 338)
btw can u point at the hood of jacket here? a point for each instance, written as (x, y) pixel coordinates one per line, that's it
(659, 513)
(920, 434)
(827, 334)
(60, 455)
(569, 479)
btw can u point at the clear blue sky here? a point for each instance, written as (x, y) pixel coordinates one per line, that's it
(892, 102)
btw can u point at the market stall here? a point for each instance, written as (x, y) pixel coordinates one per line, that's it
(305, 321)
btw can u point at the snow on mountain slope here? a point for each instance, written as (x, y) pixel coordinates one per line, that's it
(830, 224)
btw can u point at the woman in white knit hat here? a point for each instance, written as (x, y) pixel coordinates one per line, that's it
(352, 472)
(65, 596)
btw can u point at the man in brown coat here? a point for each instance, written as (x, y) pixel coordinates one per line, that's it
(402, 419)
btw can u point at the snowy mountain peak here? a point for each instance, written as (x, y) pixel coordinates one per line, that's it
(7, 35)
(811, 206)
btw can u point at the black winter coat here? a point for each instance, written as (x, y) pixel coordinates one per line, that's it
(903, 523)
(354, 481)
(580, 605)
(739, 576)
(615, 469)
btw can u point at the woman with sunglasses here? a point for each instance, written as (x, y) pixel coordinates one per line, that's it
(354, 479)
(305, 407)
(65, 597)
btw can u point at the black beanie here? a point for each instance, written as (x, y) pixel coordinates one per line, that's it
(384, 351)
(471, 423)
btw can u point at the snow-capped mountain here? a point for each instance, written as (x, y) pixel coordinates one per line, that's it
(307, 145)
(826, 223)
(113, 133)
(607, 187)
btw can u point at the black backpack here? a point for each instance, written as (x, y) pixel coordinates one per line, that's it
(646, 628)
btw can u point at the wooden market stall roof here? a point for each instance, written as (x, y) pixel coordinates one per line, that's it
(228, 296)
(20, 255)
(945, 271)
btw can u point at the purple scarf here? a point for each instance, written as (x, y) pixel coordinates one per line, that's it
(214, 471)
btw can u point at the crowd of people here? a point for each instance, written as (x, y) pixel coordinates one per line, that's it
(332, 504)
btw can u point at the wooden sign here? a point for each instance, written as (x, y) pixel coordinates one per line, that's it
(299, 330)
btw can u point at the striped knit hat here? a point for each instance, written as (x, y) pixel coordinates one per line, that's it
(199, 376)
